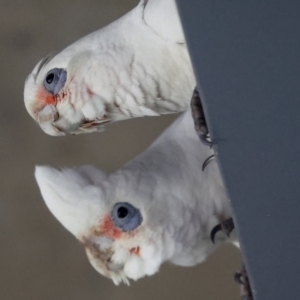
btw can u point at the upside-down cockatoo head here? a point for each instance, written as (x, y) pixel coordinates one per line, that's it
(137, 66)
(58, 98)
(116, 234)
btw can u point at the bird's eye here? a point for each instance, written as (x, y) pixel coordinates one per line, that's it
(122, 212)
(126, 216)
(55, 80)
(50, 78)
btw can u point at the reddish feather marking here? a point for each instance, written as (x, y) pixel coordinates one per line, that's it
(46, 97)
(108, 228)
(135, 250)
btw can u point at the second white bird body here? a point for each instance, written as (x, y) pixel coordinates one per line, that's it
(185, 201)
(174, 206)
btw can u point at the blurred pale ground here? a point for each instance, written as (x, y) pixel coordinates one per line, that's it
(39, 259)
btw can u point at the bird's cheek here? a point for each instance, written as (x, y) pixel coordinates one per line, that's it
(108, 228)
(45, 97)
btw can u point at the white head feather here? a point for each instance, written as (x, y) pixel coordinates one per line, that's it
(136, 66)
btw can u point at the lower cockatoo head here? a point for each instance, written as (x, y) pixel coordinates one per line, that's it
(119, 240)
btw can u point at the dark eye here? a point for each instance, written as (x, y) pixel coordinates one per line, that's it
(50, 78)
(122, 212)
(126, 216)
(55, 80)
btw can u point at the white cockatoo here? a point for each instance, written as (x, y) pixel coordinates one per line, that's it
(136, 66)
(158, 207)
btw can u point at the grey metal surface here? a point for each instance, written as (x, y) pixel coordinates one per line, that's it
(246, 56)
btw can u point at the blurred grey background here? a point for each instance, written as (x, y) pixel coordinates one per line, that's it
(39, 259)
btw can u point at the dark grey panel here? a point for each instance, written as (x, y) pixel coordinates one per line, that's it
(246, 56)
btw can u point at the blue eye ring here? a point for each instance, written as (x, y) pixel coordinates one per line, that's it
(55, 80)
(126, 216)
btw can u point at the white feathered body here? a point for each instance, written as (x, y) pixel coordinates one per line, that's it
(178, 202)
(137, 66)
(184, 202)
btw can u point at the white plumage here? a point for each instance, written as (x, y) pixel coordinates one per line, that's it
(136, 66)
(176, 205)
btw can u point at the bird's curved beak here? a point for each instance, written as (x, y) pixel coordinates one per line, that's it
(50, 129)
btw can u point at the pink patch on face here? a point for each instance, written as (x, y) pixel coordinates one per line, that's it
(108, 228)
(135, 250)
(46, 97)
